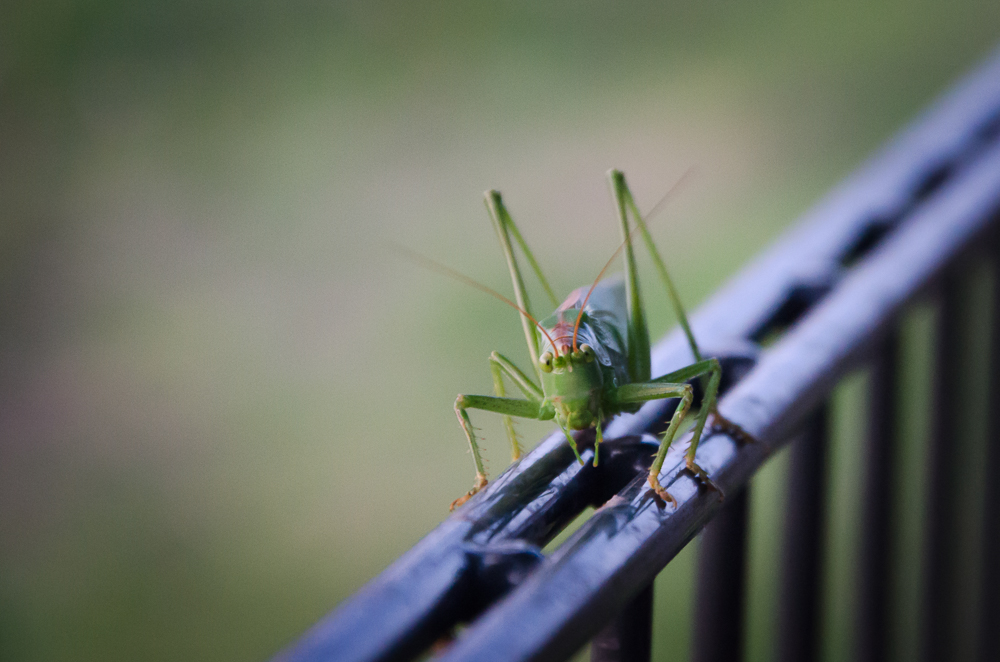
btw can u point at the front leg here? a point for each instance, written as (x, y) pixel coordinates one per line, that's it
(506, 406)
(500, 365)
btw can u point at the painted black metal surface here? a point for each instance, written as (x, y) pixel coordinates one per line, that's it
(719, 606)
(988, 643)
(830, 287)
(802, 554)
(941, 530)
(874, 589)
(629, 637)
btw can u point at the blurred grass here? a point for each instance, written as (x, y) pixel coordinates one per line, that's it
(225, 404)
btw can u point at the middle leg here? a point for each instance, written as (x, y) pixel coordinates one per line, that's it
(506, 406)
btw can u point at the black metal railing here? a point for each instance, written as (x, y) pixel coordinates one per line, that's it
(823, 300)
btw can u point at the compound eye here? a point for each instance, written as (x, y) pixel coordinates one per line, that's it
(545, 361)
(588, 352)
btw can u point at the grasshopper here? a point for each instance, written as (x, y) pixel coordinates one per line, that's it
(591, 357)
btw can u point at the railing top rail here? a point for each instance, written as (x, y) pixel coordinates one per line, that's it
(840, 277)
(626, 543)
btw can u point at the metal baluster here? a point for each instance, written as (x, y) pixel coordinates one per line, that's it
(874, 576)
(940, 528)
(719, 607)
(802, 557)
(989, 617)
(629, 637)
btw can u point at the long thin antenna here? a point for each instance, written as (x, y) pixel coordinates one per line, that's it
(579, 315)
(652, 212)
(437, 267)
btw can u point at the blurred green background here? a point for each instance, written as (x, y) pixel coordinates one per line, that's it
(226, 403)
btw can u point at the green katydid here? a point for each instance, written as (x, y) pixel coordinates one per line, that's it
(592, 355)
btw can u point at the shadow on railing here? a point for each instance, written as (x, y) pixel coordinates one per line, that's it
(825, 299)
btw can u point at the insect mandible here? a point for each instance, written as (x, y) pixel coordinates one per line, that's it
(592, 355)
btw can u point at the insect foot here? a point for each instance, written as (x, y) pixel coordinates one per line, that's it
(702, 475)
(654, 483)
(480, 484)
(722, 424)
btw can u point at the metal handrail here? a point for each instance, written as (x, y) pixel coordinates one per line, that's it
(823, 294)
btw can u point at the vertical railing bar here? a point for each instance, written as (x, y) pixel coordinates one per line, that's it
(719, 603)
(940, 527)
(989, 608)
(874, 573)
(628, 638)
(802, 558)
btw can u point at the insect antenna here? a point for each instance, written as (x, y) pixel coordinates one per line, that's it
(437, 267)
(652, 212)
